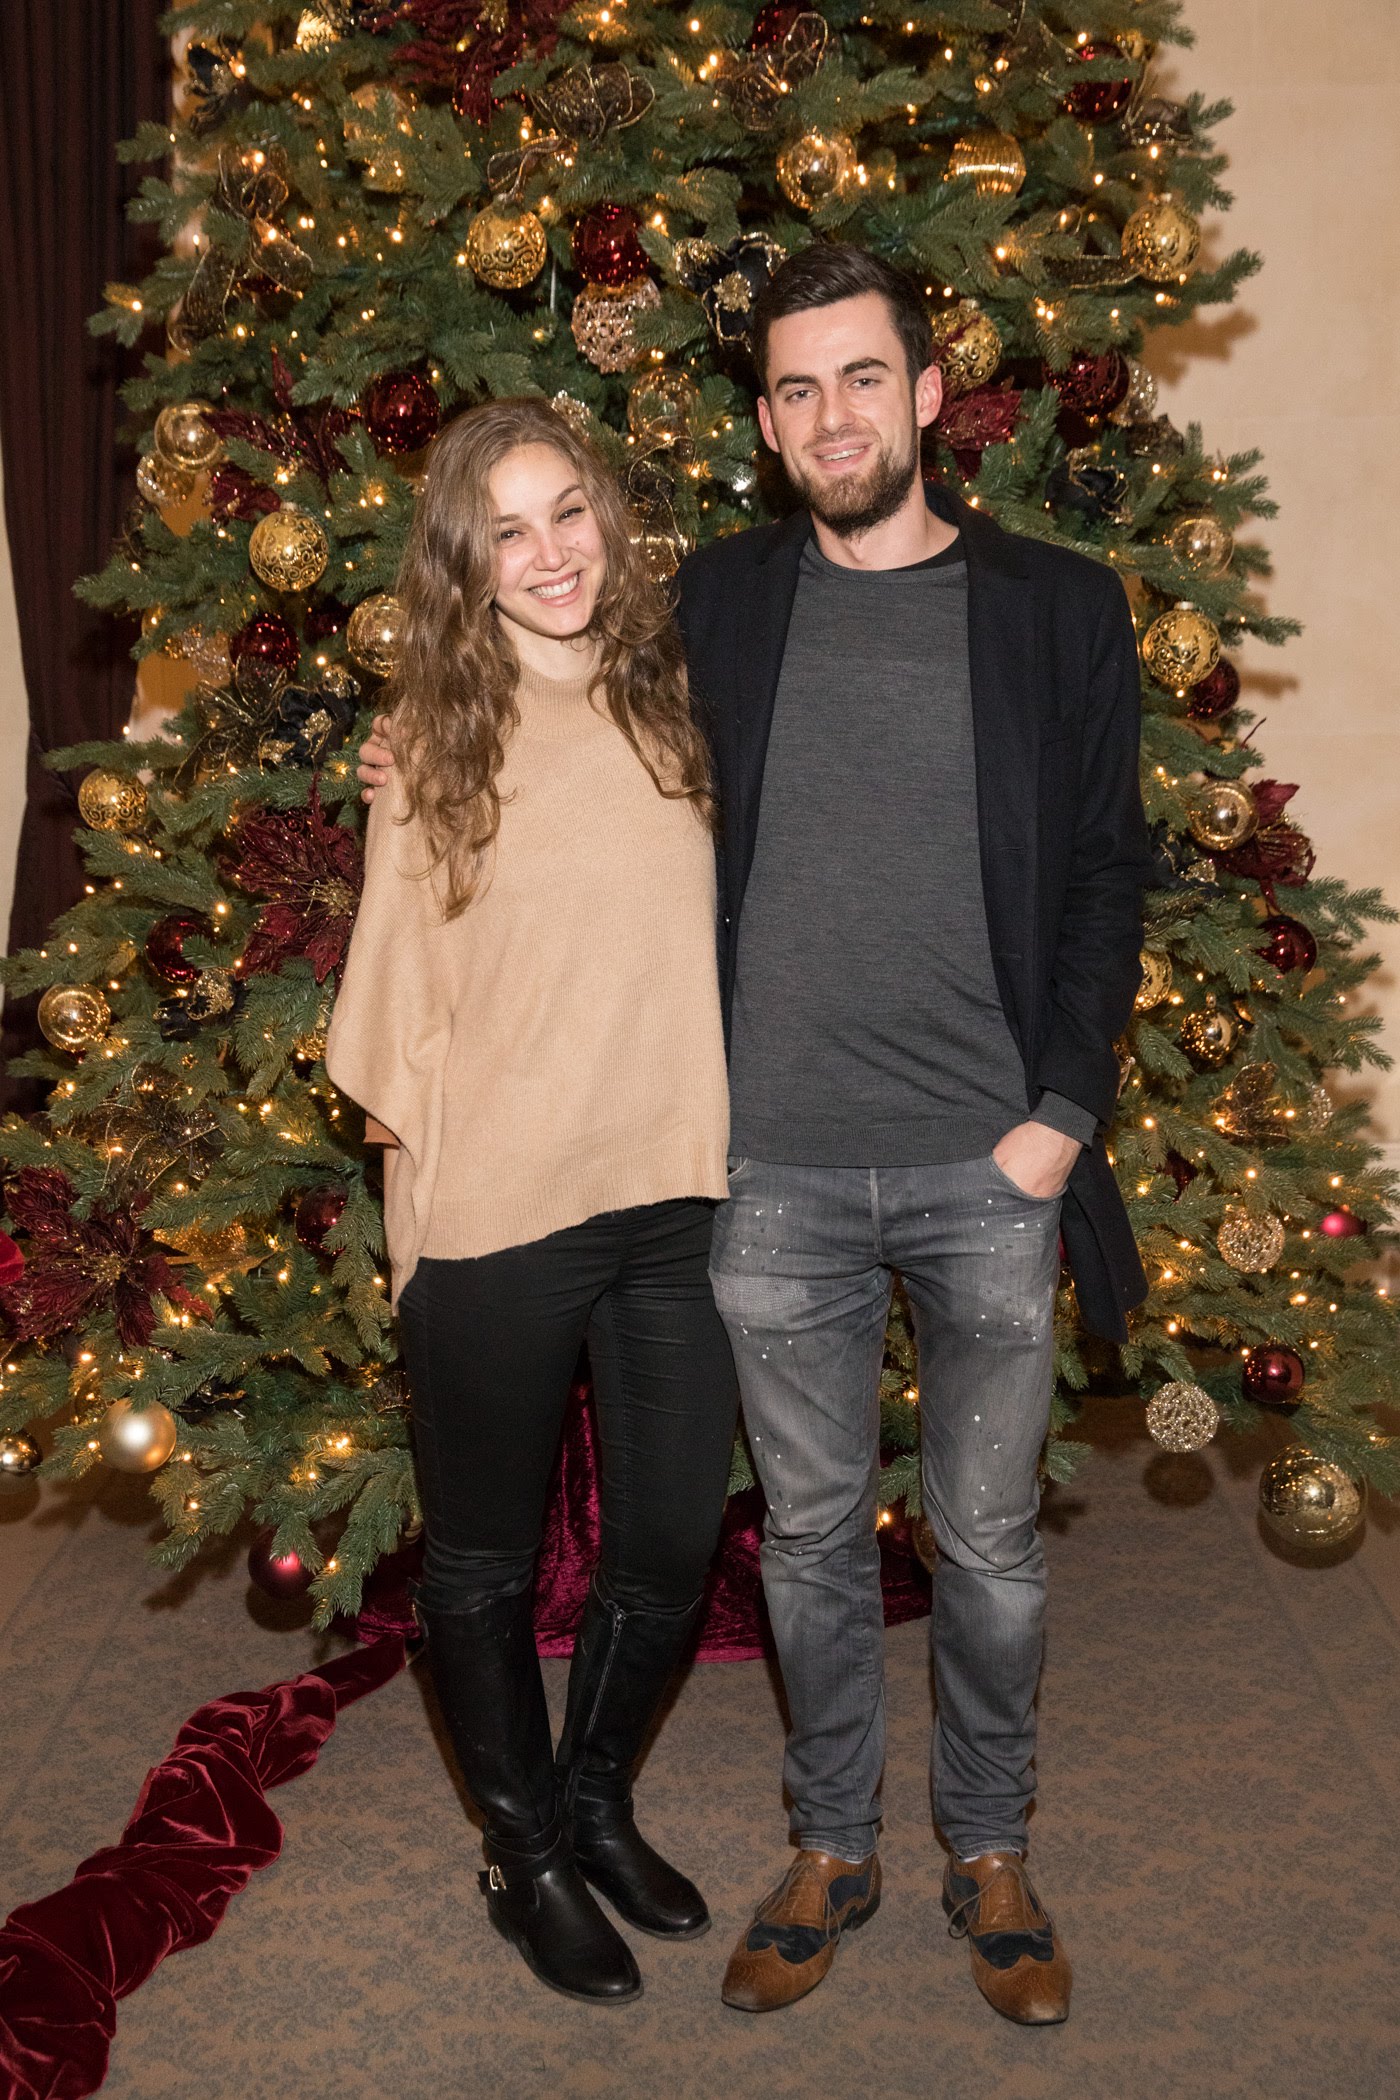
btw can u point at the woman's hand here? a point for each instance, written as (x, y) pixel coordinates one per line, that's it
(1037, 1158)
(376, 758)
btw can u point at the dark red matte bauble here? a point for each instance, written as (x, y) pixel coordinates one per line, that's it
(771, 24)
(606, 248)
(1181, 1170)
(1273, 1376)
(1215, 694)
(1092, 383)
(1289, 944)
(1342, 1224)
(269, 640)
(165, 950)
(280, 1574)
(316, 1213)
(402, 411)
(1097, 101)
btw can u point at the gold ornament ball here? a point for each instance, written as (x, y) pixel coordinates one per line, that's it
(663, 548)
(815, 168)
(136, 1439)
(991, 160)
(1307, 1501)
(659, 406)
(161, 482)
(1202, 543)
(74, 1016)
(966, 346)
(1181, 647)
(1182, 1417)
(1316, 1112)
(1222, 815)
(288, 550)
(184, 436)
(1156, 980)
(1161, 240)
(1208, 1037)
(19, 1455)
(1251, 1245)
(506, 246)
(604, 322)
(112, 801)
(374, 633)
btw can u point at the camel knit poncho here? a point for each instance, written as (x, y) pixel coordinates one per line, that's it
(556, 1049)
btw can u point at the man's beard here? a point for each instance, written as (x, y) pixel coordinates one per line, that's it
(859, 502)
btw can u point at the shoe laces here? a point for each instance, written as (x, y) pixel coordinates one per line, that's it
(960, 1916)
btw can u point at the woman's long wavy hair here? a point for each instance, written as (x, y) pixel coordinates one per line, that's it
(453, 689)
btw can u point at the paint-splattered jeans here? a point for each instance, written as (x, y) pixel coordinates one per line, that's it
(801, 1265)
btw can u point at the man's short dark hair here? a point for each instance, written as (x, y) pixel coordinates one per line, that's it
(833, 270)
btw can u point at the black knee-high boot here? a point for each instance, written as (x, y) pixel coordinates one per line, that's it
(487, 1677)
(623, 1662)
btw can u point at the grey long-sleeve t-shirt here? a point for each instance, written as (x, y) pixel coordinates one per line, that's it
(868, 1030)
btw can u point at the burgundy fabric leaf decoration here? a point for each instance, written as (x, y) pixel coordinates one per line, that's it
(77, 1267)
(312, 871)
(1278, 851)
(971, 422)
(11, 1261)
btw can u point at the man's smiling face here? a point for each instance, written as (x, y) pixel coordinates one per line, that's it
(840, 409)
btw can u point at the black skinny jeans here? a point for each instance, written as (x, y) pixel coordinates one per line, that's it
(492, 1344)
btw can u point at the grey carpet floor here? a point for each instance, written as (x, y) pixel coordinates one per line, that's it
(1216, 1834)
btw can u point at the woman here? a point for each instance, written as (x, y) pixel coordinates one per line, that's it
(530, 1010)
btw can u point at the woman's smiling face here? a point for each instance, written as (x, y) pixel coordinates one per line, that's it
(549, 546)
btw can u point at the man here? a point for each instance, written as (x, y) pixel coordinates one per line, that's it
(925, 734)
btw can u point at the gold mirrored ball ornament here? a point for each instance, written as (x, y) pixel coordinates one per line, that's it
(374, 633)
(1208, 1037)
(1161, 240)
(1222, 815)
(1181, 647)
(1182, 1416)
(815, 168)
(185, 437)
(1202, 542)
(1156, 980)
(506, 245)
(288, 550)
(1307, 1501)
(161, 482)
(1250, 1244)
(19, 1455)
(73, 1016)
(136, 1439)
(992, 161)
(659, 406)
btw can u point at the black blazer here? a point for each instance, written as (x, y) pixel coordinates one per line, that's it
(1055, 705)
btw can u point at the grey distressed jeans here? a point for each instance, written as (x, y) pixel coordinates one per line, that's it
(801, 1265)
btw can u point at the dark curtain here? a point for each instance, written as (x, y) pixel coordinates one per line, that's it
(79, 75)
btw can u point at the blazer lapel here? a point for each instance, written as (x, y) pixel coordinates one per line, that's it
(760, 638)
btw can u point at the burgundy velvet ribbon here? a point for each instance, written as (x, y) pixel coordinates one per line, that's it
(201, 1828)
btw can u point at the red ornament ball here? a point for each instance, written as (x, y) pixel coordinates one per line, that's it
(1097, 101)
(771, 24)
(165, 951)
(1289, 944)
(606, 248)
(1342, 1224)
(11, 1261)
(1092, 383)
(1215, 694)
(267, 639)
(318, 1211)
(1273, 1376)
(402, 411)
(280, 1574)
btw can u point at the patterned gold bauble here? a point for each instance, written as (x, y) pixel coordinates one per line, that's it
(506, 246)
(215, 1250)
(1222, 815)
(137, 1439)
(1161, 240)
(1316, 1112)
(1249, 1110)
(1307, 1501)
(74, 1016)
(1250, 1243)
(604, 322)
(659, 406)
(19, 1455)
(1156, 980)
(112, 801)
(1182, 1417)
(991, 160)
(663, 547)
(1208, 1037)
(1181, 647)
(162, 483)
(310, 1048)
(288, 550)
(185, 437)
(1202, 543)
(815, 168)
(966, 346)
(374, 633)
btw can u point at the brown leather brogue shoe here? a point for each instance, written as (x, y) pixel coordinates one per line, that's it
(792, 1941)
(1018, 1963)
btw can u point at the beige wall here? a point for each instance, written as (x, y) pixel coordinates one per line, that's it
(1303, 366)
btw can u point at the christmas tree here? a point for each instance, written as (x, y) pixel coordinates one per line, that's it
(378, 212)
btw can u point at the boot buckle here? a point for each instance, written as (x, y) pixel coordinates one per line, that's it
(496, 1879)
